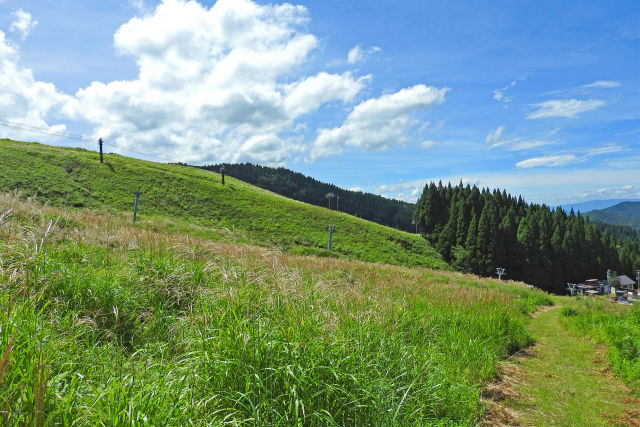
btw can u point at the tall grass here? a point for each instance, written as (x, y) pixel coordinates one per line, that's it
(111, 324)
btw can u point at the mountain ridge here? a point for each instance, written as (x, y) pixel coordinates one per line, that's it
(591, 205)
(624, 213)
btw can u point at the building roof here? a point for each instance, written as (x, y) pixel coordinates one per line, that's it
(625, 280)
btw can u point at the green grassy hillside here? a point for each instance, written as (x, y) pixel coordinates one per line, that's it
(194, 201)
(108, 323)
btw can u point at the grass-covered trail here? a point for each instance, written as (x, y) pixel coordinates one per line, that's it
(563, 380)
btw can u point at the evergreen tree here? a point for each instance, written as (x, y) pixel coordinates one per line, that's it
(479, 230)
(471, 243)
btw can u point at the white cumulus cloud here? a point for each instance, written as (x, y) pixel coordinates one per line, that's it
(569, 108)
(23, 23)
(227, 82)
(26, 103)
(378, 123)
(215, 83)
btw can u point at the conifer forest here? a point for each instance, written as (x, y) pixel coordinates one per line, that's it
(478, 230)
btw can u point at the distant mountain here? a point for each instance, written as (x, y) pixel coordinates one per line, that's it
(630, 209)
(624, 213)
(591, 205)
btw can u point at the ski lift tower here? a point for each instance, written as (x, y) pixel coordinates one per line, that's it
(501, 272)
(331, 229)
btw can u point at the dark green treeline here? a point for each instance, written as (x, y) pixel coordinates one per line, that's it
(296, 186)
(477, 231)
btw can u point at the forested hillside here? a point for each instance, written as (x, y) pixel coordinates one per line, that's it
(620, 232)
(625, 213)
(477, 231)
(294, 185)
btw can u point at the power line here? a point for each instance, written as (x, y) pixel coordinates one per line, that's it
(44, 131)
(147, 153)
(82, 138)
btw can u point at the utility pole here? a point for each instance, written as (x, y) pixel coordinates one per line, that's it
(135, 204)
(637, 278)
(329, 196)
(100, 142)
(337, 203)
(330, 229)
(222, 172)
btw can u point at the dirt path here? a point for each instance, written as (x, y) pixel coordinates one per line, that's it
(563, 380)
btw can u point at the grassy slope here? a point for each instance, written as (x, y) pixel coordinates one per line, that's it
(105, 323)
(194, 200)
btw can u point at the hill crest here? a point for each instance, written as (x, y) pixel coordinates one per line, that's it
(195, 201)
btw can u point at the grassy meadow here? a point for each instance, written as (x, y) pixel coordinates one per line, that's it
(107, 323)
(194, 201)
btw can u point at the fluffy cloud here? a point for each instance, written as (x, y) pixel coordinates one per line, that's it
(23, 23)
(307, 95)
(564, 108)
(378, 123)
(358, 54)
(214, 84)
(23, 100)
(406, 191)
(219, 83)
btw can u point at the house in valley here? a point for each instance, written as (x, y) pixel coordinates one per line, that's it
(621, 285)
(625, 282)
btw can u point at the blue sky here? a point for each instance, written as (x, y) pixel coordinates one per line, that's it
(541, 98)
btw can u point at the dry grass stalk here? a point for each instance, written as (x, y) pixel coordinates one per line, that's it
(5, 363)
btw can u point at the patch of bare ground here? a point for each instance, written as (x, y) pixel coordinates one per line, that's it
(542, 310)
(496, 396)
